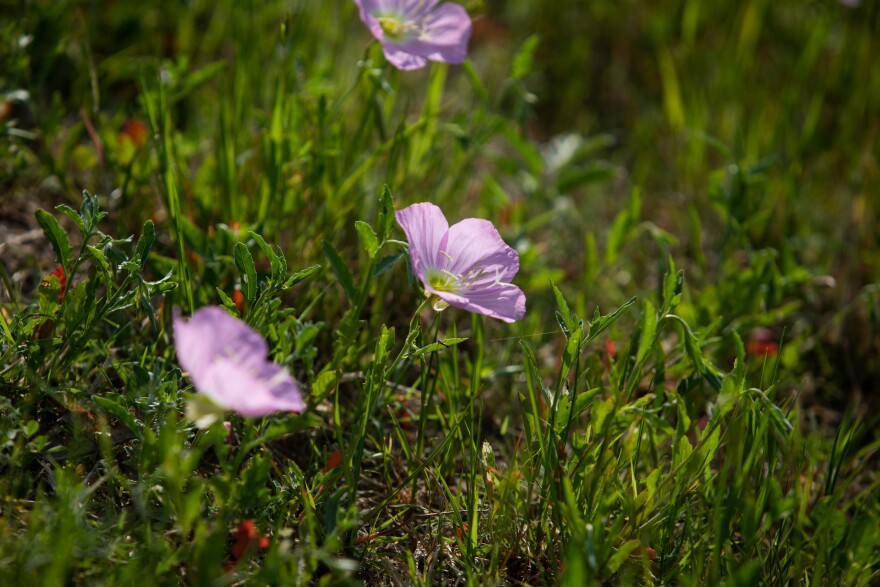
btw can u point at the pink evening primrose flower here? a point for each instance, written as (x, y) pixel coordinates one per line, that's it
(413, 31)
(465, 265)
(226, 361)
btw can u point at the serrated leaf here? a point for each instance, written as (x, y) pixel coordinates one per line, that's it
(368, 237)
(73, 215)
(341, 271)
(301, 275)
(57, 237)
(323, 383)
(145, 243)
(88, 211)
(599, 323)
(276, 261)
(102, 261)
(245, 263)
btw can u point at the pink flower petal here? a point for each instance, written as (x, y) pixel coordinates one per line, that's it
(447, 31)
(505, 302)
(226, 360)
(401, 59)
(424, 225)
(474, 243)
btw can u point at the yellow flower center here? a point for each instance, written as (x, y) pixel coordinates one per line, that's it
(396, 29)
(442, 280)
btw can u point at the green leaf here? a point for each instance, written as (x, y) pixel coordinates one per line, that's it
(648, 328)
(227, 301)
(386, 263)
(523, 61)
(90, 212)
(341, 271)
(681, 452)
(673, 284)
(568, 321)
(619, 557)
(368, 237)
(245, 263)
(145, 243)
(73, 215)
(323, 383)
(113, 403)
(57, 237)
(276, 260)
(386, 213)
(692, 347)
(436, 346)
(301, 275)
(600, 323)
(31, 428)
(102, 262)
(570, 355)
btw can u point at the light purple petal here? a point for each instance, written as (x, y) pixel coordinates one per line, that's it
(209, 333)
(503, 301)
(252, 394)
(445, 38)
(400, 58)
(226, 360)
(474, 245)
(369, 9)
(424, 225)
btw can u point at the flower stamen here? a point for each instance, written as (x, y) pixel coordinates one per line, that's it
(396, 29)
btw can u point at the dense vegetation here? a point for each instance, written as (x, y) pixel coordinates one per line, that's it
(690, 398)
